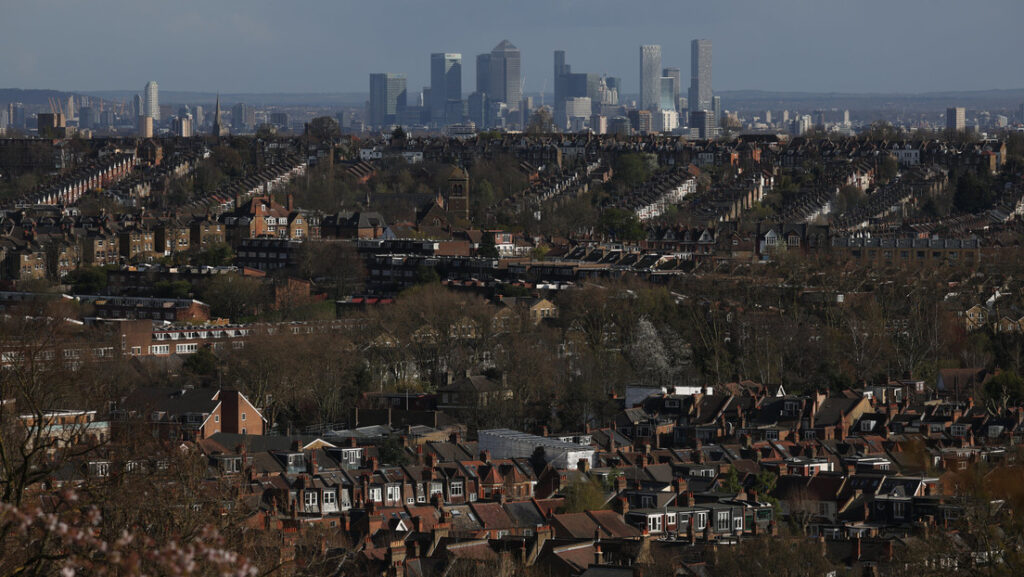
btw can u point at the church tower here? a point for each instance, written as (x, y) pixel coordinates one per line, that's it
(458, 193)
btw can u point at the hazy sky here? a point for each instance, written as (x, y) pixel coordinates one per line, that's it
(333, 45)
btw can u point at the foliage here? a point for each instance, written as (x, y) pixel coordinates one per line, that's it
(973, 192)
(621, 224)
(487, 248)
(203, 362)
(219, 254)
(88, 280)
(392, 452)
(631, 169)
(583, 495)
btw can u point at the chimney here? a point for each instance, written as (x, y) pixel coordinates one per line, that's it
(598, 556)
(291, 202)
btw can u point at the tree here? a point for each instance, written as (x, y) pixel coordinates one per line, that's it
(583, 495)
(234, 296)
(324, 128)
(487, 247)
(540, 122)
(219, 254)
(1004, 390)
(621, 224)
(631, 169)
(203, 362)
(88, 280)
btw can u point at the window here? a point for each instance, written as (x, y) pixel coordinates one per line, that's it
(243, 416)
(899, 509)
(654, 523)
(330, 498)
(737, 524)
(701, 522)
(216, 418)
(722, 521)
(456, 488)
(670, 518)
(186, 348)
(436, 488)
(394, 493)
(310, 501)
(375, 494)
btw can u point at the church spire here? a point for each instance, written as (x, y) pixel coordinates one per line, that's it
(216, 119)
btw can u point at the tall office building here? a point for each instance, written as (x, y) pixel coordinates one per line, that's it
(445, 84)
(716, 109)
(483, 73)
(700, 75)
(667, 94)
(956, 119)
(673, 73)
(151, 102)
(387, 98)
(505, 78)
(243, 117)
(86, 117)
(650, 77)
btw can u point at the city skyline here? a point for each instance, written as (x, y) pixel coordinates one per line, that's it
(757, 46)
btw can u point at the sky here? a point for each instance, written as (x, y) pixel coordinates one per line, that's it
(298, 46)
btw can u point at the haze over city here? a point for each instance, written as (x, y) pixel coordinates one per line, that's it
(327, 46)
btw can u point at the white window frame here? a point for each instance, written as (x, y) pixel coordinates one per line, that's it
(722, 521)
(455, 489)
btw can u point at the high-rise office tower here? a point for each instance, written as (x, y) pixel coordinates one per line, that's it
(650, 77)
(673, 73)
(956, 119)
(71, 108)
(243, 117)
(505, 79)
(667, 95)
(700, 75)
(151, 102)
(137, 106)
(387, 98)
(86, 117)
(200, 118)
(445, 84)
(716, 109)
(483, 73)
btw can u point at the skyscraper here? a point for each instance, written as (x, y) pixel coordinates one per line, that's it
(956, 119)
(667, 96)
(505, 79)
(700, 75)
(483, 73)
(650, 77)
(151, 102)
(445, 83)
(387, 98)
(673, 73)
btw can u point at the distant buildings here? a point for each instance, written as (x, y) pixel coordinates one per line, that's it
(700, 75)
(650, 77)
(445, 87)
(243, 117)
(673, 73)
(151, 102)
(505, 76)
(956, 119)
(387, 98)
